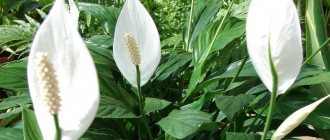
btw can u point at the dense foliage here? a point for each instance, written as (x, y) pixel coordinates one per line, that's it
(205, 86)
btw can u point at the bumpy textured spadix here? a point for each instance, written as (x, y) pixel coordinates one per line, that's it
(48, 82)
(274, 24)
(75, 72)
(135, 21)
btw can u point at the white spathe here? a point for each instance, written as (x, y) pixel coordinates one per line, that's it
(135, 19)
(274, 23)
(74, 13)
(76, 74)
(295, 119)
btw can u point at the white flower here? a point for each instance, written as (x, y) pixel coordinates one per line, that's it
(60, 65)
(274, 24)
(74, 13)
(295, 119)
(136, 42)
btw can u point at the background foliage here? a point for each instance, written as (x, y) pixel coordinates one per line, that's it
(204, 88)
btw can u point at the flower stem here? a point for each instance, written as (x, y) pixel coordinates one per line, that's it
(273, 94)
(141, 104)
(57, 126)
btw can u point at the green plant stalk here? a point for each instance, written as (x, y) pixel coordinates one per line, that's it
(57, 126)
(316, 52)
(255, 119)
(190, 24)
(239, 70)
(273, 94)
(141, 104)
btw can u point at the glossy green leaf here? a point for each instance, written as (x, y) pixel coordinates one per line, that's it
(182, 123)
(154, 104)
(11, 134)
(229, 105)
(197, 105)
(104, 41)
(113, 108)
(14, 101)
(30, 125)
(13, 76)
(107, 16)
(172, 64)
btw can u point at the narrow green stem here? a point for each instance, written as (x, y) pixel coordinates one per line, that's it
(273, 94)
(190, 24)
(239, 70)
(256, 118)
(316, 52)
(57, 126)
(141, 104)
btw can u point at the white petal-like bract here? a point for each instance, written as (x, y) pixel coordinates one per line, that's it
(59, 38)
(136, 21)
(295, 119)
(74, 13)
(274, 24)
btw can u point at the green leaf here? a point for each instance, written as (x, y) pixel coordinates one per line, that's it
(313, 80)
(204, 12)
(172, 64)
(154, 104)
(113, 108)
(229, 105)
(11, 134)
(182, 123)
(30, 125)
(228, 35)
(241, 136)
(14, 101)
(104, 41)
(107, 16)
(316, 34)
(197, 105)
(13, 76)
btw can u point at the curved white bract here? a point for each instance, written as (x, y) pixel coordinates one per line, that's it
(295, 119)
(75, 71)
(136, 21)
(274, 24)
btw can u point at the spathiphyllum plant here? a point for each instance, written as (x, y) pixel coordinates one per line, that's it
(136, 43)
(274, 45)
(62, 77)
(136, 49)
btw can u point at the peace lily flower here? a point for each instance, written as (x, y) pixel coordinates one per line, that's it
(273, 34)
(136, 42)
(74, 13)
(295, 119)
(62, 77)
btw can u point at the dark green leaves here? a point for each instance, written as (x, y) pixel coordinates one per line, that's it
(182, 123)
(13, 76)
(154, 104)
(241, 136)
(113, 108)
(232, 104)
(107, 16)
